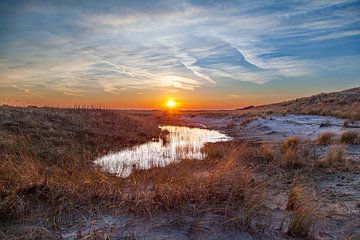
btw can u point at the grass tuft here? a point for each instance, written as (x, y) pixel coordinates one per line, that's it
(267, 152)
(304, 215)
(350, 137)
(302, 221)
(296, 196)
(291, 152)
(335, 158)
(325, 138)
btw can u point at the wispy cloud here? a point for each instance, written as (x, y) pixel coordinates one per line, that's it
(73, 94)
(195, 69)
(337, 35)
(176, 45)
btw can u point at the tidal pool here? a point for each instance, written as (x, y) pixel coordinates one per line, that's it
(180, 143)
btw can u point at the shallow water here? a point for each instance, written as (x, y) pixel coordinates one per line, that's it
(180, 143)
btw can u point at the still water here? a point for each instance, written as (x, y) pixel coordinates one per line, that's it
(180, 143)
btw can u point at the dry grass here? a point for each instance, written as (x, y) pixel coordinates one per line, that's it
(247, 120)
(344, 104)
(27, 182)
(291, 151)
(325, 138)
(302, 221)
(335, 155)
(350, 137)
(267, 152)
(52, 131)
(46, 172)
(335, 158)
(36, 184)
(290, 143)
(218, 151)
(296, 196)
(210, 183)
(305, 215)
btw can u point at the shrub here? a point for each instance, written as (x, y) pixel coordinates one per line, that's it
(349, 137)
(325, 138)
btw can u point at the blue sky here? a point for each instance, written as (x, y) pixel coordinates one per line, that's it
(206, 53)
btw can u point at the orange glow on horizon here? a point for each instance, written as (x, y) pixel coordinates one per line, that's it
(147, 100)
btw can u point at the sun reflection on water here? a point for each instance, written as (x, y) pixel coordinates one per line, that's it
(180, 143)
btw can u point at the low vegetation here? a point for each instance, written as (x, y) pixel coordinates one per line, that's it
(344, 104)
(55, 190)
(335, 155)
(47, 158)
(291, 152)
(302, 221)
(325, 138)
(217, 150)
(305, 214)
(350, 137)
(296, 196)
(225, 185)
(335, 158)
(50, 182)
(267, 152)
(178, 186)
(246, 121)
(51, 132)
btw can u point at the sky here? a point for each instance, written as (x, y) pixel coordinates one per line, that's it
(203, 54)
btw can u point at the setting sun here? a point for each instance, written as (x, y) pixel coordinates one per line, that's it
(170, 103)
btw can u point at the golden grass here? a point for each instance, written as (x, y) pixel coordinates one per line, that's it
(217, 151)
(296, 196)
(325, 138)
(302, 221)
(193, 183)
(267, 152)
(26, 180)
(52, 131)
(221, 184)
(335, 155)
(305, 214)
(290, 143)
(343, 104)
(350, 137)
(291, 152)
(46, 158)
(335, 158)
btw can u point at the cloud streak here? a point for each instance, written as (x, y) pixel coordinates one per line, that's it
(173, 45)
